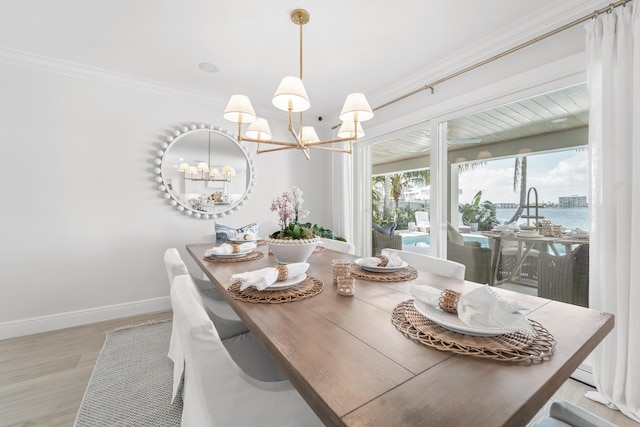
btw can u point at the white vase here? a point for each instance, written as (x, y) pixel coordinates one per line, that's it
(290, 251)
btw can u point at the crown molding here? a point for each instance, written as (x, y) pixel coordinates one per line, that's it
(85, 72)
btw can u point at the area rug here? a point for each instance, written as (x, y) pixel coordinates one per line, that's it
(542, 413)
(131, 383)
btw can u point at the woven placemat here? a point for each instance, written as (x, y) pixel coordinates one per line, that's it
(514, 347)
(306, 289)
(248, 257)
(405, 274)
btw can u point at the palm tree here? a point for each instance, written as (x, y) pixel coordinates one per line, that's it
(419, 177)
(520, 176)
(396, 188)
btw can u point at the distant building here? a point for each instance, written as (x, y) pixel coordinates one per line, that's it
(573, 202)
(506, 205)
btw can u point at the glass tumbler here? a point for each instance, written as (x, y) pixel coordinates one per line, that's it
(341, 267)
(346, 286)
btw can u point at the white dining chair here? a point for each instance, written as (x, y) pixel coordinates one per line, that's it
(430, 263)
(217, 390)
(339, 246)
(226, 321)
(224, 318)
(564, 413)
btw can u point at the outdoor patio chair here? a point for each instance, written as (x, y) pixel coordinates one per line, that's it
(565, 278)
(380, 241)
(476, 258)
(422, 221)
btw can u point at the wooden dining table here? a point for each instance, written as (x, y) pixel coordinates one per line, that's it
(354, 367)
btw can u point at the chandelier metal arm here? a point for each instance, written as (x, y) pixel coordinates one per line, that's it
(295, 136)
(286, 145)
(260, 150)
(336, 150)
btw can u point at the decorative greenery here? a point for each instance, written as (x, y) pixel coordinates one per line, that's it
(481, 213)
(401, 216)
(289, 208)
(396, 181)
(322, 232)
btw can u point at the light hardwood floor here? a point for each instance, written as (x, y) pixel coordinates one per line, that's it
(43, 376)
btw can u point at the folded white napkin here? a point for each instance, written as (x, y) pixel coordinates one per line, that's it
(480, 308)
(248, 236)
(393, 261)
(265, 277)
(226, 249)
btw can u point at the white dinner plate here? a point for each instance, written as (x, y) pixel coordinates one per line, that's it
(238, 255)
(286, 284)
(377, 269)
(241, 240)
(453, 323)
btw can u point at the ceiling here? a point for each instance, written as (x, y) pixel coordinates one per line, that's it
(372, 46)
(550, 112)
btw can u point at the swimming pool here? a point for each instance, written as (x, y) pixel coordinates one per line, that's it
(424, 240)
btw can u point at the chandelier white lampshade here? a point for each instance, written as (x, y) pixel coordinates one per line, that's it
(202, 166)
(291, 94)
(356, 108)
(259, 130)
(346, 130)
(239, 110)
(193, 171)
(308, 134)
(214, 172)
(183, 167)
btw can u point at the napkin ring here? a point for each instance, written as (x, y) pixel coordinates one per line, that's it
(235, 248)
(245, 235)
(283, 273)
(383, 260)
(449, 301)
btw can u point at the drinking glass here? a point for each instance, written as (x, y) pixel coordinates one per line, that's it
(341, 267)
(346, 286)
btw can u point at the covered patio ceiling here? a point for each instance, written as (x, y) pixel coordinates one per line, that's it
(543, 114)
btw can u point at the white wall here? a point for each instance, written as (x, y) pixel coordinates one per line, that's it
(83, 227)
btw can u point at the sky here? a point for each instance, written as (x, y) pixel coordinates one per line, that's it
(564, 173)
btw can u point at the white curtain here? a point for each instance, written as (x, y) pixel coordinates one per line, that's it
(342, 195)
(613, 70)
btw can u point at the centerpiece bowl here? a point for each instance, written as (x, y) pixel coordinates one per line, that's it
(290, 251)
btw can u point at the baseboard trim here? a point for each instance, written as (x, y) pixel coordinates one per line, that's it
(69, 319)
(584, 374)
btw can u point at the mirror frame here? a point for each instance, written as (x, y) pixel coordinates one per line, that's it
(175, 138)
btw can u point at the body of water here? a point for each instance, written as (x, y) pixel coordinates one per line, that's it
(569, 218)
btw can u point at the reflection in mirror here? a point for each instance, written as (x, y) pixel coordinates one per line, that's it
(204, 172)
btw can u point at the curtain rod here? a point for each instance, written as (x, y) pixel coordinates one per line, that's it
(607, 9)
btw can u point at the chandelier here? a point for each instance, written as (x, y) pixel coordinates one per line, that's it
(291, 96)
(204, 172)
